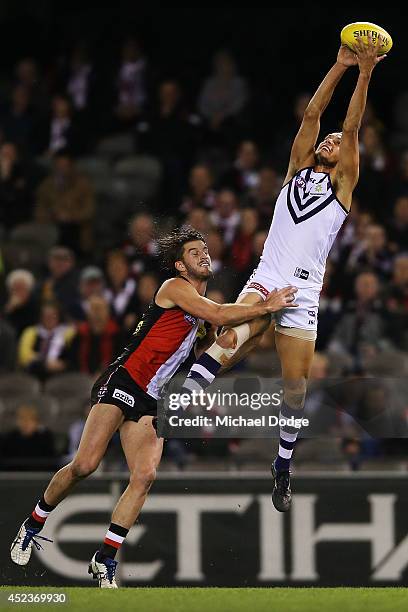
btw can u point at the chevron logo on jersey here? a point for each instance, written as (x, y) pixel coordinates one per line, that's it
(303, 203)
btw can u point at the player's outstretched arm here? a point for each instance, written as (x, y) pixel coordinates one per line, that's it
(302, 153)
(348, 165)
(177, 292)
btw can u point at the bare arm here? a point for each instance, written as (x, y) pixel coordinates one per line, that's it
(348, 165)
(302, 153)
(177, 292)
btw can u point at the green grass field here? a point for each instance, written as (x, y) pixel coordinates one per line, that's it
(220, 600)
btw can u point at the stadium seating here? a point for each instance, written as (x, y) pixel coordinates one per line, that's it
(115, 146)
(42, 234)
(18, 384)
(68, 385)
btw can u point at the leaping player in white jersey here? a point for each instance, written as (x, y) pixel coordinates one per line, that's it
(310, 210)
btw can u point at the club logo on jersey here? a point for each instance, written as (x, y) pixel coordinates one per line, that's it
(102, 391)
(124, 397)
(300, 182)
(319, 189)
(190, 319)
(300, 273)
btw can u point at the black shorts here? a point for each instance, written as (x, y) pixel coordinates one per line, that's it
(116, 386)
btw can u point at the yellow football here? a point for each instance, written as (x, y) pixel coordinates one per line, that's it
(351, 31)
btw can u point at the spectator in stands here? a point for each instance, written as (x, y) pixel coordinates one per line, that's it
(396, 298)
(29, 446)
(320, 405)
(61, 130)
(169, 133)
(243, 177)
(21, 307)
(225, 217)
(398, 224)
(146, 288)
(91, 282)
(201, 193)
(374, 164)
(259, 241)
(66, 198)
(28, 76)
(8, 347)
(224, 94)
(62, 282)
(242, 251)
(263, 196)
(216, 248)
(43, 348)
(330, 308)
(283, 135)
(98, 339)
(121, 291)
(361, 330)
(130, 83)
(199, 219)
(18, 122)
(15, 196)
(79, 78)
(372, 252)
(242, 247)
(141, 247)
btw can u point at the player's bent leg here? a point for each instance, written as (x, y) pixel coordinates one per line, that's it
(296, 355)
(228, 338)
(143, 450)
(101, 424)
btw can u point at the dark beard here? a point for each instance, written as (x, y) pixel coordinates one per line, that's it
(197, 276)
(319, 161)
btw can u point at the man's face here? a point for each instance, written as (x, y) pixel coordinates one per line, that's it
(328, 151)
(366, 287)
(63, 166)
(49, 317)
(59, 265)
(197, 260)
(226, 203)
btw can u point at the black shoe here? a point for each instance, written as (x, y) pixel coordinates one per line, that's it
(281, 494)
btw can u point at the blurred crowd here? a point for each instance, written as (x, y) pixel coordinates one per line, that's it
(96, 163)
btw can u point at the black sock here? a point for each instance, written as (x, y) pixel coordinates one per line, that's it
(39, 515)
(113, 541)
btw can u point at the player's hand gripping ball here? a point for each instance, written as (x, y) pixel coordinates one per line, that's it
(352, 31)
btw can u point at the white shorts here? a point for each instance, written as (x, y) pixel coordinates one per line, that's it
(302, 317)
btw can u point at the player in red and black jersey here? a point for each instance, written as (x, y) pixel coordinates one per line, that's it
(125, 397)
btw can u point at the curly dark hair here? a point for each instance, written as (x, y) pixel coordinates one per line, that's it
(171, 245)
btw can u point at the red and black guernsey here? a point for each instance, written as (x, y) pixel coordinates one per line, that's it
(161, 342)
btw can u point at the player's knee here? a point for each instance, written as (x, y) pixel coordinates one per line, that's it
(295, 393)
(227, 339)
(81, 468)
(143, 479)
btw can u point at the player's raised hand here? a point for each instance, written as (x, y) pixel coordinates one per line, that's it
(367, 54)
(346, 57)
(281, 298)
